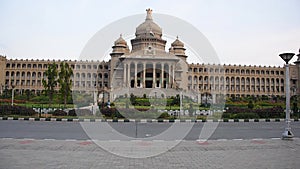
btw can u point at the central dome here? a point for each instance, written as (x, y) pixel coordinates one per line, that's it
(148, 28)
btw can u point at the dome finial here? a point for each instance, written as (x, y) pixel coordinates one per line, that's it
(149, 14)
(120, 35)
(177, 37)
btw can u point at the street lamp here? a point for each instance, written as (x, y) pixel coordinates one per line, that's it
(287, 131)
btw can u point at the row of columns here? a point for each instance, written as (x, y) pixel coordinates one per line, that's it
(127, 77)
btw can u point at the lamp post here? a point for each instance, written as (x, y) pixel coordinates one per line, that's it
(287, 131)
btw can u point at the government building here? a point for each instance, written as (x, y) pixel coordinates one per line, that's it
(148, 67)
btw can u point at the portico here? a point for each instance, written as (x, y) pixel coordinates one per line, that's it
(149, 73)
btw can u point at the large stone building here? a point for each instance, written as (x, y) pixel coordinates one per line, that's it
(149, 66)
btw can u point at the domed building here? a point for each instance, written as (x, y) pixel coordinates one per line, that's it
(145, 67)
(148, 66)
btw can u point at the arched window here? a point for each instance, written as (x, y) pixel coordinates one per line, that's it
(201, 79)
(206, 79)
(190, 79)
(39, 74)
(195, 79)
(243, 81)
(83, 75)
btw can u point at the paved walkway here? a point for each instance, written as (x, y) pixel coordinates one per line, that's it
(215, 154)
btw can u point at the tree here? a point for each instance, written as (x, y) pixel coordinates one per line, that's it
(250, 105)
(65, 81)
(191, 109)
(51, 82)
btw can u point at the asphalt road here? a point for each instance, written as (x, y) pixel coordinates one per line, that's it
(74, 130)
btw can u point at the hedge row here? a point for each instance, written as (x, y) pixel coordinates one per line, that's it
(16, 110)
(73, 112)
(242, 113)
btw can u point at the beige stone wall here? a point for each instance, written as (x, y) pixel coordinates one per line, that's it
(2, 73)
(237, 80)
(28, 74)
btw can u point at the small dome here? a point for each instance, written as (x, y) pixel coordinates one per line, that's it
(178, 43)
(120, 41)
(148, 27)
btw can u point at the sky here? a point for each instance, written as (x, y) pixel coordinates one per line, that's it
(246, 32)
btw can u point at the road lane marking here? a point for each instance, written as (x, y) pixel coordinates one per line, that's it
(7, 138)
(257, 139)
(275, 138)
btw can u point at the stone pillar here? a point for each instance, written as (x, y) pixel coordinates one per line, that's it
(154, 76)
(173, 74)
(214, 98)
(199, 98)
(135, 75)
(124, 76)
(144, 75)
(192, 81)
(128, 75)
(169, 73)
(162, 76)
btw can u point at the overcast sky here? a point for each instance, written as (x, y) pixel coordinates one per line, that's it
(251, 32)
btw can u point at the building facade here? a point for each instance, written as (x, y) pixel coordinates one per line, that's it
(149, 66)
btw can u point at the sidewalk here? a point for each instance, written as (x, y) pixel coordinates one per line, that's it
(234, 154)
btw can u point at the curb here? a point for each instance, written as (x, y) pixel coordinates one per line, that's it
(146, 120)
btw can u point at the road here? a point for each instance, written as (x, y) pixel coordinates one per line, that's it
(234, 145)
(74, 130)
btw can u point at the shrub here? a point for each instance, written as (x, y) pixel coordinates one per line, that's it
(164, 115)
(16, 110)
(59, 113)
(237, 112)
(72, 112)
(246, 116)
(250, 105)
(111, 112)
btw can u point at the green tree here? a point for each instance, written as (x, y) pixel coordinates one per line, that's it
(51, 82)
(250, 105)
(65, 81)
(191, 109)
(132, 99)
